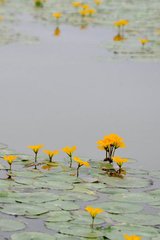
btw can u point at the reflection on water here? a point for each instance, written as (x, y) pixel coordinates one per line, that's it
(66, 92)
(57, 32)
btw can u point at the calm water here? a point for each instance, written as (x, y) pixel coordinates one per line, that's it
(66, 91)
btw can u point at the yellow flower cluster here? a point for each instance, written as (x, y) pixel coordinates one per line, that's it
(121, 23)
(57, 15)
(143, 41)
(112, 140)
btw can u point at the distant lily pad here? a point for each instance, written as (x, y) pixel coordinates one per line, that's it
(32, 236)
(8, 225)
(59, 216)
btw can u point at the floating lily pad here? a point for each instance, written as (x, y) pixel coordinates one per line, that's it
(32, 236)
(126, 182)
(59, 216)
(136, 219)
(134, 197)
(112, 191)
(23, 209)
(8, 225)
(119, 207)
(36, 197)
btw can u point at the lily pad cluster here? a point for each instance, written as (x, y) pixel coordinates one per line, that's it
(50, 204)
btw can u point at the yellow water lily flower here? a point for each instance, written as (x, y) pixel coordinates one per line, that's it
(98, 2)
(69, 151)
(76, 4)
(93, 212)
(9, 158)
(51, 154)
(84, 12)
(80, 164)
(143, 41)
(117, 141)
(57, 15)
(119, 160)
(121, 23)
(132, 237)
(91, 11)
(85, 6)
(57, 32)
(36, 148)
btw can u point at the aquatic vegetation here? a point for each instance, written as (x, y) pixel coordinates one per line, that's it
(76, 4)
(143, 41)
(38, 3)
(93, 212)
(120, 161)
(110, 143)
(98, 2)
(69, 151)
(10, 159)
(51, 154)
(36, 149)
(80, 164)
(132, 237)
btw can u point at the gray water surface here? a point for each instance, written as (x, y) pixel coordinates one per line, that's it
(66, 91)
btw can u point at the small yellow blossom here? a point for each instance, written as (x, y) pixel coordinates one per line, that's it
(10, 158)
(57, 32)
(36, 148)
(143, 41)
(85, 6)
(132, 237)
(84, 12)
(119, 160)
(76, 4)
(51, 154)
(91, 11)
(93, 212)
(98, 2)
(81, 162)
(57, 15)
(121, 23)
(69, 150)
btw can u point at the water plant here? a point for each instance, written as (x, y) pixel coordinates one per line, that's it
(35, 149)
(93, 212)
(143, 41)
(76, 4)
(69, 151)
(80, 164)
(110, 143)
(132, 237)
(10, 159)
(38, 3)
(120, 24)
(57, 16)
(51, 154)
(119, 161)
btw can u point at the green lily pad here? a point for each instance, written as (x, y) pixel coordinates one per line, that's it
(8, 225)
(59, 216)
(23, 209)
(126, 182)
(113, 191)
(141, 197)
(136, 219)
(119, 207)
(36, 197)
(32, 236)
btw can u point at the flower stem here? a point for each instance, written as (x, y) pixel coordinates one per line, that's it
(70, 165)
(78, 170)
(92, 224)
(35, 160)
(50, 158)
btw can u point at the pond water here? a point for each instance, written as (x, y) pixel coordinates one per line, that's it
(73, 89)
